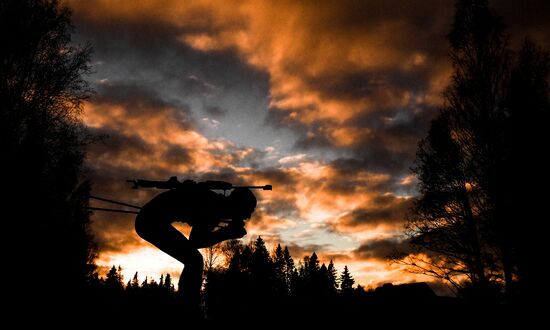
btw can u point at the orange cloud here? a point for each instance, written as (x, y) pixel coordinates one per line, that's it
(356, 76)
(305, 191)
(302, 45)
(338, 72)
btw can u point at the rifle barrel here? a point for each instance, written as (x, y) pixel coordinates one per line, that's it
(266, 187)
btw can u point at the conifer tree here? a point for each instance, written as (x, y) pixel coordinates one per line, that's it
(346, 281)
(332, 277)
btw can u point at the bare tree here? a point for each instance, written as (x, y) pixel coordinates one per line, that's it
(212, 257)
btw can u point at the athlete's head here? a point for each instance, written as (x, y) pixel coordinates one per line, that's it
(241, 203)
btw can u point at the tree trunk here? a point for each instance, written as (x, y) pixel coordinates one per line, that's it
(479, 269)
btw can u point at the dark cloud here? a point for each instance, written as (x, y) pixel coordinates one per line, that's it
(283, 207)
(112, 144)
(253, 158)
(355, 85)
(125, 111)
(392, 147)
(408, 125)
(382, 248)
(148, 52)
(141, 101)
(313, 135)
(370, 70)
(280, 118)
(419, 15)
(115, 233)
(215, 111)
(376, 159)
(224, 174)
(110, 182)
(391, 150)
(354, 176)
(176, 155)
(378, 85)
(421, 24)
(384, 209)
(389, 144)
(300, 251)
(336, 257)
(392, 141)
(277, 176)
(419, 37)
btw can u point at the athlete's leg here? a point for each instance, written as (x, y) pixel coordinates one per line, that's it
(169, 240)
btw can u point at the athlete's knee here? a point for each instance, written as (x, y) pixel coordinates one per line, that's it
(148, 220)
(141, 225)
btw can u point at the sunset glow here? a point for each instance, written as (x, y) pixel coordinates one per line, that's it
(325, 100)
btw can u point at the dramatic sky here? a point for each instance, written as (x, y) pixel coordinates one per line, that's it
(325, 100)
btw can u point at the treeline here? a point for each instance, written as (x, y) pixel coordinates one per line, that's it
(249, 276)
(247, 281)
(251, 268)
(256, 281)
(112, 288)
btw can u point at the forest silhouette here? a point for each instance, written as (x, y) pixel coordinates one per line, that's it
(252, 281)
(472, 225)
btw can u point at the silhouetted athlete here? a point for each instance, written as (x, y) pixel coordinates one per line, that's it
(213, 218)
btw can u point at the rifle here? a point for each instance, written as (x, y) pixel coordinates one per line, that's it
(171, 183)
(174, 183)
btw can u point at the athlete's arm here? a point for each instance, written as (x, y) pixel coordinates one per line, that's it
(206, 236)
